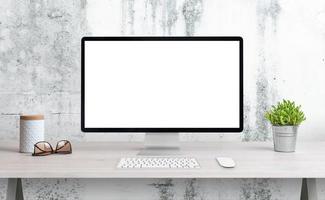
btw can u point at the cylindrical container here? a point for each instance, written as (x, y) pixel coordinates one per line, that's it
(31, 132)
(284, 138)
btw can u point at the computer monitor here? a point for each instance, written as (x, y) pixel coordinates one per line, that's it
(162, 84)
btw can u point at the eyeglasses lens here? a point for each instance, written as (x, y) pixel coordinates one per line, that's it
(63, 147)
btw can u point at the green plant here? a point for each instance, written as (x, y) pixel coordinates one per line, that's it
(285, 113)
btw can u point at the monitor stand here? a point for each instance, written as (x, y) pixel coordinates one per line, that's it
(161, 144)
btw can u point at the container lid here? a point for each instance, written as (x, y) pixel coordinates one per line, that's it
(31, 117)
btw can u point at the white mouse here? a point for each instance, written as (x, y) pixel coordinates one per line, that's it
(226, 162)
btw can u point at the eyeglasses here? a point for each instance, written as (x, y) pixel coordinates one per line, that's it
(43, 148)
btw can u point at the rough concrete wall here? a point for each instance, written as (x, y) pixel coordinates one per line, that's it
(40, 66)
(3, 188)
(163, 189)
(40, 55)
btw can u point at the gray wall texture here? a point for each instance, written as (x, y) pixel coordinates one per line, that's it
(40, 54)
(284, 53)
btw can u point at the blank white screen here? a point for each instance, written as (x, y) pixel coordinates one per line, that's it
(165, 84)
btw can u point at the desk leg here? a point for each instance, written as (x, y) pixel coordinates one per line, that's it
(313, 193)
(14, 190)
(316, 188)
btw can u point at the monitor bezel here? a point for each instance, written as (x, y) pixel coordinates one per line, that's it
(160, 129)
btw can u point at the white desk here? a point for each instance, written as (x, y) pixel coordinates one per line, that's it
(98, 160)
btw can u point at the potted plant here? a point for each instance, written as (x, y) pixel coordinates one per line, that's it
(285, 118)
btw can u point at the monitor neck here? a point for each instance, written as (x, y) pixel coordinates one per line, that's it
(161, 144)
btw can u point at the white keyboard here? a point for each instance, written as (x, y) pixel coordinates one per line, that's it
(158, 162)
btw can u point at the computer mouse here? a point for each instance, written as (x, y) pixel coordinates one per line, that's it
(226, 162)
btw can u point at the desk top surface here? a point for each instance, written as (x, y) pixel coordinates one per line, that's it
(99, 160)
